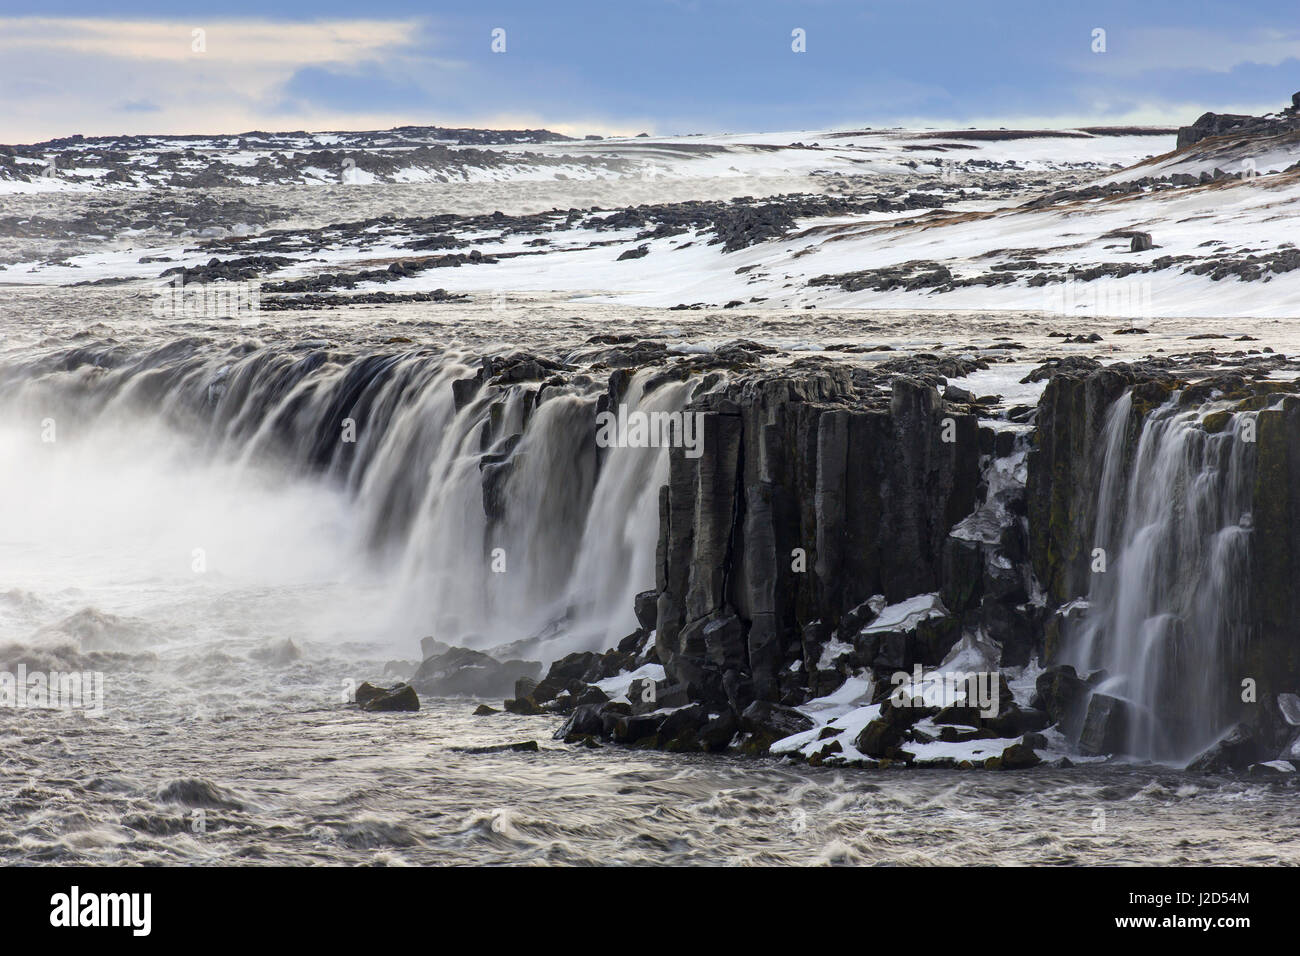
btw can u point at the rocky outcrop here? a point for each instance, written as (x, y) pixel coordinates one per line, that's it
(1256, 655)
(841, 522)
(813, 493)
(1236, 124)
(1273, 653)
(462, 671)
(399, 697)
(1064, 468)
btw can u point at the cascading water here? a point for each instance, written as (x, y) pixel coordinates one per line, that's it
(1166, 619)
(496, 523)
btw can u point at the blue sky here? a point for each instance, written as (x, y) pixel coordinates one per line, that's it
(664, 66)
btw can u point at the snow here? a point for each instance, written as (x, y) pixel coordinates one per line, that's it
(618, 685)
(905, 615)
(832, 652)
(970, 237)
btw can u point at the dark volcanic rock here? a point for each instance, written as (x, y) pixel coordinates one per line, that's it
(1019, 757)
(1063, 696)
(1237, 750)
(470, 673)
(401, 697)
(1105, 728)
(772, 721)
(811, 494)
(1237, 124)
(646, 605)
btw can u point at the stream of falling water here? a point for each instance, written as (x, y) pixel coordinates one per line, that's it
(1166, 619)
(358, 473)
(214, 749)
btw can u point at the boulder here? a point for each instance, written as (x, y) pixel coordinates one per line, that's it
(367, 692)
(879, 738)
(646, 607)
(643, 695)
(1014, 720)
(724, 642)
(592, 695)
(773, 721)
(465, 672)
(522, 746)
(634, 645)
(523, 706)
(1271, 768)
(1236, 750)
(584, 721)
(1105, 728)
(632, 728)
(681, 727)
(1061, 693)
(1036, 741)
(582, 665)
(718, 731)
(1289, 706)
(400, 697)
(1019, 757)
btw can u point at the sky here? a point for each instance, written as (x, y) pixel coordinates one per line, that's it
(104, 67)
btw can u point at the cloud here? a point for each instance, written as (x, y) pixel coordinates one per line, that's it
(671, 67)
(244, 42)
(60, 76)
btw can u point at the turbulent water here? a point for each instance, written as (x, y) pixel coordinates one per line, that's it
(171, 523)
(285, 775)
(214, 746)
(303, 465)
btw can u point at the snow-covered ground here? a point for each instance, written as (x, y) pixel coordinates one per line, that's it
(962, 221)
(342, 158)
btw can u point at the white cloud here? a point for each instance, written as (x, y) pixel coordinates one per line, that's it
(66, 75)
(60, 76)
(257, 43)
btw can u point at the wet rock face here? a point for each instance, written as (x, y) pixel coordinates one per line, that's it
(810, 496)
(1257, 658)
(1273, 653)
(1063, 469)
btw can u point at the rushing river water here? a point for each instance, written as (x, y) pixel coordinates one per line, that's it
(215, 746)
(227, 762)
(180, 577)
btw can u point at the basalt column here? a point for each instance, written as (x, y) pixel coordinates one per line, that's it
(812, 494)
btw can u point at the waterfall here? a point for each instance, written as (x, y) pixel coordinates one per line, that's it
(1166, 618)
(498, 524)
